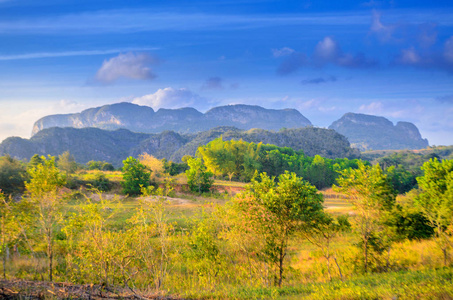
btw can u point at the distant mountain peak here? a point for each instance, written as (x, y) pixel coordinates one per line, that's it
(368, 132)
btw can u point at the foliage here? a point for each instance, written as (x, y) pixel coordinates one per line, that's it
(239, 160)
(153, 164)
(436, 199)
(409, 224)
(35, 160)
(371, 194)
(172, 168)
(231, 158)
(198, 179)
(44, 194)
(101, 183)
(135, 176)
(95, 252)
(403, 168)
(9, 228)
(100, 165)
(275, 211)
(12, 175)
(66, 163)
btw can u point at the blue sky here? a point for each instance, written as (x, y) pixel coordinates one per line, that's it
(324, 58)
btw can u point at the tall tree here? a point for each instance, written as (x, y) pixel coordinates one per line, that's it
(135, 176)
(436, 200)
(371, 194)
(198, 179)
(9, 228)
(46, 197)
(153, 164)
(276, 211)
(66, 163)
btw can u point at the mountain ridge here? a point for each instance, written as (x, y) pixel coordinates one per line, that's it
(369, 132)
(183, 120)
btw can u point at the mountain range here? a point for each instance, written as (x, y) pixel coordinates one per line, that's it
(113, 132)
(144, 119)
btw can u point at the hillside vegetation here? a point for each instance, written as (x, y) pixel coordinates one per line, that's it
(88, 144)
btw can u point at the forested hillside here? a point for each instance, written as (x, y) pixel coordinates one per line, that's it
(114, 146)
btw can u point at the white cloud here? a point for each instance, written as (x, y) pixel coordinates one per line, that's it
(172, 98)
(282, 52)
(129, 65)
(327, 49)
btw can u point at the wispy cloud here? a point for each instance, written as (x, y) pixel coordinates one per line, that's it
(122, 21)
(384, 32)
(71, 53)
(129, 65)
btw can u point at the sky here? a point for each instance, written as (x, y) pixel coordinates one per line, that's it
(324, 58)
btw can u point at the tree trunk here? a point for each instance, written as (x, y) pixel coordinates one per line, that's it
(338, 266)
(328, 267)
(388, 259)
(3, 246)
(50, 254)
(4, 265)
(366, 255)
(280, 265)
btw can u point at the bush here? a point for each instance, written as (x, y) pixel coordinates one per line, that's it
(102, 183)
(135, 176)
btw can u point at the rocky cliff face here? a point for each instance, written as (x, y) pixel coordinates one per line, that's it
(185, 120)
(368, 132)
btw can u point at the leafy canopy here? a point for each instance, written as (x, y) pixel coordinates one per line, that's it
(135, 176)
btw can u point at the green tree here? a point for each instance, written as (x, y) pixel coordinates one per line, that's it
(9, 228)
(198, 179)
(371, 194)
(135, 176)
(435, 200)
(66, 163)
(276, 211)
(36, 160)
(100, 165)
(44, 194)
(12, 175)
